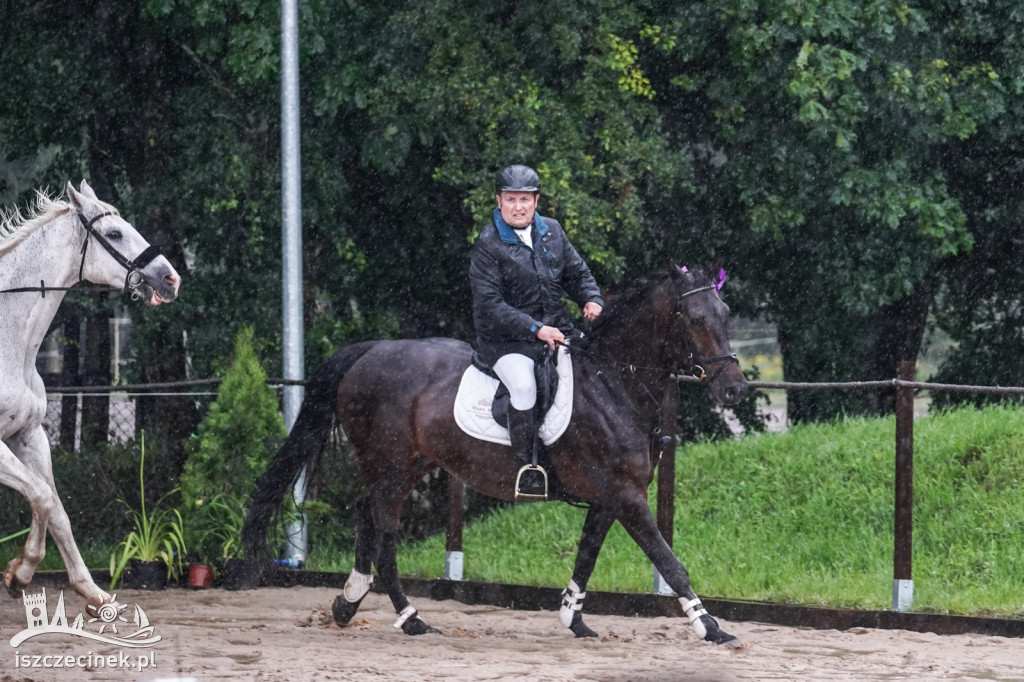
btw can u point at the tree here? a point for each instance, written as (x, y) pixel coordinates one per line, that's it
(791, 110)
(239, 433)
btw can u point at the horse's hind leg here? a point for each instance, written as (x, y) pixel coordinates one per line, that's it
(359, 580)
(595, 528)
(635, 517)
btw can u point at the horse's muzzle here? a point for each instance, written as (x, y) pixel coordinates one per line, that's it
(729, 387)
(159, 286)
(731, 393)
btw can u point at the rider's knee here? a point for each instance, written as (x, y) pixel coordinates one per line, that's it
(523, 396)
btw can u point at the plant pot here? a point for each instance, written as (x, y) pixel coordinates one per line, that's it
(145, 575)
(200, 576)
(239, 574)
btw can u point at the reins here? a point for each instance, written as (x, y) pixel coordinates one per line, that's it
(132, 266)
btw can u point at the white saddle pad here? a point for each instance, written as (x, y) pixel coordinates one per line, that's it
(476, 393)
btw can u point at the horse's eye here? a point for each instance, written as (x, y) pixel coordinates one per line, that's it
(114, 234)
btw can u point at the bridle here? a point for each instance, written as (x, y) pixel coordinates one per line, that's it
(697, 365)
(133, 279)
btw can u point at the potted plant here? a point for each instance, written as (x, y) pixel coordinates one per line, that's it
(155, 547)
(200, 575)
(225, 516)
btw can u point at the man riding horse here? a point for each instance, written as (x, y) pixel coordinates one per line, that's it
(521, 264)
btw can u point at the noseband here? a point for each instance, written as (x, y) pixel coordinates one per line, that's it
(134, 278)
(697, 365)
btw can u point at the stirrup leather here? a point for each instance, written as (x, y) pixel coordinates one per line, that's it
(527, 497)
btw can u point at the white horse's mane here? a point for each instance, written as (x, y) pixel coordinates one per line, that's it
(15, 227)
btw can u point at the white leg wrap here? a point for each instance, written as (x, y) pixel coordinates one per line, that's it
(572, 601)
(357, 585)
(407, 613)
(694, 610)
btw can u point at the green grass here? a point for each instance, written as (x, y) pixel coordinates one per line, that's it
(802, 517)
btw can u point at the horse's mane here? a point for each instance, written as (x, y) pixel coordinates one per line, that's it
(626, 304)
(15, 226)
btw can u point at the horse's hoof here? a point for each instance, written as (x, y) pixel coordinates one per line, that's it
(343, 610)
(717, 636)
(580, 629)
(14, 586)
(415, 626)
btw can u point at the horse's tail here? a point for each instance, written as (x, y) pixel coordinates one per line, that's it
(304, 443)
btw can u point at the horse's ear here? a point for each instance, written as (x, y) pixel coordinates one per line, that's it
(716, 266)
(716, 272)
(673, 269)
(87, 190)
(78, 201)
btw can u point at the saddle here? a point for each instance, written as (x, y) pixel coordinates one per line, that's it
(482, 401)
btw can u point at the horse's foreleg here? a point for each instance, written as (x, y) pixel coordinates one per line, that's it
(595, 528)
(636, 518)
(32, 451)
(359, 580)
(41, 500)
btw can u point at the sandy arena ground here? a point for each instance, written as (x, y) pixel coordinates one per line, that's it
(289, 634)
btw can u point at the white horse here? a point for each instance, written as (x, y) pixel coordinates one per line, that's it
(57, 246)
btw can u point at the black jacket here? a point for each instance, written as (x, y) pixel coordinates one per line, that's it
(517, 290)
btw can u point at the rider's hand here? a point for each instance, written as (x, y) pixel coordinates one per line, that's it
(550, 335)
(591, 310)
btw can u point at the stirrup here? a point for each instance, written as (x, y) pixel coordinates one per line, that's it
(531, 497)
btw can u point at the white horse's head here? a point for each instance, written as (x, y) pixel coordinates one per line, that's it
(117, 255)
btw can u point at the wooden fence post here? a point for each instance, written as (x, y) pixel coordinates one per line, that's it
(902, 583)
(453, 556)
(666, 506)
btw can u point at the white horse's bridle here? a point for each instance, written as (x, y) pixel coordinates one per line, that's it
(132, 280)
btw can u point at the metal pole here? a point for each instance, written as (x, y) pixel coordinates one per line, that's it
(902, 583)
(291, 249)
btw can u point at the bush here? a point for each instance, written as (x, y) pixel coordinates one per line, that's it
(235, 440)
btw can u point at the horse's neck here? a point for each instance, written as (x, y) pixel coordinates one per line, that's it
(49, 255)
(638, 343)
(634, 357)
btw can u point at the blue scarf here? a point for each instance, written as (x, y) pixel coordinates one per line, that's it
(507, 233)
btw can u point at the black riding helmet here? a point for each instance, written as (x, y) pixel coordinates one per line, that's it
(518, 178)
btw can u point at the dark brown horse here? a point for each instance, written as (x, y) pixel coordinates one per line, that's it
(395, 399)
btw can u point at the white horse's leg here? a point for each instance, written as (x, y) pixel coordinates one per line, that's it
(15, 475)
(31, 450)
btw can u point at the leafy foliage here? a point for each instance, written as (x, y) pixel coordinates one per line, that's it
(220, 527)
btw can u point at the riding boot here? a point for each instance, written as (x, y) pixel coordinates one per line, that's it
(532, 480)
